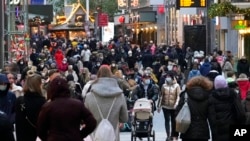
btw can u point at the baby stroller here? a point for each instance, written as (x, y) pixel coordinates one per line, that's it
(142, 123)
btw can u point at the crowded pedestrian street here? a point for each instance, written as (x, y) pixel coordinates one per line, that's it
(124, 70)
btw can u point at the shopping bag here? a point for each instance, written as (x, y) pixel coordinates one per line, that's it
(183, 118)
(88, 138)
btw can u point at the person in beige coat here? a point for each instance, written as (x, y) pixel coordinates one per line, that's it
(168, 102)
(105, 89)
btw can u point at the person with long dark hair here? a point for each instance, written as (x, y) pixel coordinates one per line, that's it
(61, 118)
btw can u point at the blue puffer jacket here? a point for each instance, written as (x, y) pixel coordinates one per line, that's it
(7, 99)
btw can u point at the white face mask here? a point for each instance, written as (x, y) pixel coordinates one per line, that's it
(3, 87)
(147, 82)
(169, 80)
(170, 67)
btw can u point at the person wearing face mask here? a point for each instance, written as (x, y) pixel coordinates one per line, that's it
(168, 101)
(34, 57)
(113, 67)
(63, 66)
(40, 67)
(21, 64)
(113, 57)
(131, 60)
(146, 89)
(7, 98)
(96, 67)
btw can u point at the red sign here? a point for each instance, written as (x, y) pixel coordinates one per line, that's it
(102, 19)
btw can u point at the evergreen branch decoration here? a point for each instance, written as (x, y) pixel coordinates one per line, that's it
(225, 9)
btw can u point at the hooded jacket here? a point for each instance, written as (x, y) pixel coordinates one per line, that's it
(7, 99)
(59, 57)
(221, 115)
(105, 90)
(198, 105)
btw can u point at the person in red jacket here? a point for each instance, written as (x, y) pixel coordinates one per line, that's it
(244, 85)
(59, 56)
(63, 66)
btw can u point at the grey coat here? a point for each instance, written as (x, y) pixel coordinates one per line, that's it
(105, 90)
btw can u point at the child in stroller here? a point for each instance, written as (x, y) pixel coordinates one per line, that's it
(142, 123)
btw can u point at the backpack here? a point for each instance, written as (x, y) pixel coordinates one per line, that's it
(105, 130)
(183, 118)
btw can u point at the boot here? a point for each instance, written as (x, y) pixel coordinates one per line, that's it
(168, 136)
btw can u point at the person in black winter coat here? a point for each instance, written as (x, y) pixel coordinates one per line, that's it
(28, 108)
(220, 110)
(243, 66)
(147, 59)
(198, 90)
(6, 130)
(215, 65)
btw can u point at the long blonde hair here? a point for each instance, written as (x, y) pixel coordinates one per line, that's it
(33, 83)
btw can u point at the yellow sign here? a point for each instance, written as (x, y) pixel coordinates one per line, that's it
(191, 3)
(186, 3)
(203, 3)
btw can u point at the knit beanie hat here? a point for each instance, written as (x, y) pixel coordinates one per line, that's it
(220, 82)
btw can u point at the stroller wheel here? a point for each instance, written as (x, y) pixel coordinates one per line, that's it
(149, 135)
(133, 136)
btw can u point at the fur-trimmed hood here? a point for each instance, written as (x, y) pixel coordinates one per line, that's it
(106, 87)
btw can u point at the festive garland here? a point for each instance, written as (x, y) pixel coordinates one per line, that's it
(225, 9)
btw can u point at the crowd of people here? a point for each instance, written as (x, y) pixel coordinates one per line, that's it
(52, 94)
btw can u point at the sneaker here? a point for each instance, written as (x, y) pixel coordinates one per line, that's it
(174, 139)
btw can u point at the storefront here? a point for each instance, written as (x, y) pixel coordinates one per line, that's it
(73, 25)
(139, 26)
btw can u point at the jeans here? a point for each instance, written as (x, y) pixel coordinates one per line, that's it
(169, 115)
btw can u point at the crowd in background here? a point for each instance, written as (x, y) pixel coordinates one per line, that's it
(160, 73)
